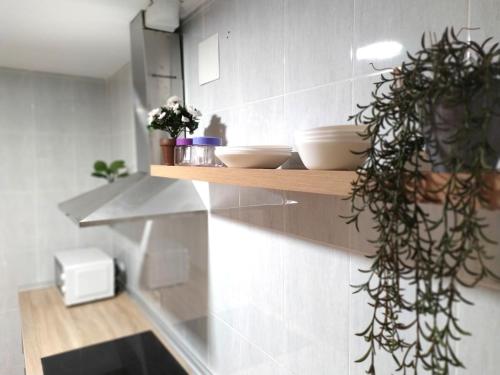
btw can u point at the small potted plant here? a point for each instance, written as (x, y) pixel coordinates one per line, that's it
(116, 169)
(175, 119)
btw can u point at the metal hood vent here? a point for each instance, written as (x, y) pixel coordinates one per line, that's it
(138, 196)
(156, 74)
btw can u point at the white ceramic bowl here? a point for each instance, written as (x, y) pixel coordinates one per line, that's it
(331, 137)
(259, 158)
(331, 154)
(336, 129)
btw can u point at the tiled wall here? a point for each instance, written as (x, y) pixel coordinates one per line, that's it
(280, 263)
(261, 284)
(52, 129)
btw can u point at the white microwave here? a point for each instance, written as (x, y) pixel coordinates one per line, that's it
(84, 275)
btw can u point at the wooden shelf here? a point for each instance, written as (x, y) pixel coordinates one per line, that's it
(318, 182)
(307, 181)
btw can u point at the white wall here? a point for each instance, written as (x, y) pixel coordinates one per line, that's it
(52, 129)
(264, 280)
(271, 294)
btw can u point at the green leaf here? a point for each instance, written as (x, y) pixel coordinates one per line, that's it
(100, 166)
(116, 166)
(125, 174)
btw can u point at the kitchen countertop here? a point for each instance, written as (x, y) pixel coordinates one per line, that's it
(49, 327)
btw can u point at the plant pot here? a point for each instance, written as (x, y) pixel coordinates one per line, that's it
(446, 119)
(167, 150)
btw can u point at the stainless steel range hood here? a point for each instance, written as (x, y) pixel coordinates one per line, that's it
(156, 74)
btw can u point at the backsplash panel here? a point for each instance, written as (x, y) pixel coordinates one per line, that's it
(268, 289)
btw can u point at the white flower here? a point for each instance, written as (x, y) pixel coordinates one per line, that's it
(184, 119)
(173, 101)
(154, 112)
(193, 111)
(176, 109)
(162, 115)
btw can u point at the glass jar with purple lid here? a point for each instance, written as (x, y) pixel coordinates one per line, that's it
(203, 152)
(182, 152)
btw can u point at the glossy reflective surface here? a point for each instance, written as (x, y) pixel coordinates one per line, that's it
(139, 354)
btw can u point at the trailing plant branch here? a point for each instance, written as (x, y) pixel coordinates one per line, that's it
(442, 106)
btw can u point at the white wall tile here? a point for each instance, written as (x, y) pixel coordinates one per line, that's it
(480, 352)
(223, 196)
(11, 357)
(262, 123)
(484, 15)
(90, 148)
(17, 161)
(90, 107)
(323, 106)
(223, 124)
(229, 353)
(55, 230)
(17, 222)
(54, 104)
(317, 217)
(402, 22)
(16, 101)
(316, 308)
(318, 42)
(55, 162)
(261, 54)
(221, 18)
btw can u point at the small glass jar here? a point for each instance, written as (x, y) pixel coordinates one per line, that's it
(203, 152)
(182, 152)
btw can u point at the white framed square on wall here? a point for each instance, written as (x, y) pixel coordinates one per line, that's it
(208, 59)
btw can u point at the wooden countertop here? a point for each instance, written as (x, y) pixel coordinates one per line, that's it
(49, 327)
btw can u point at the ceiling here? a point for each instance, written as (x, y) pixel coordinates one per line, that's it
(76, 37)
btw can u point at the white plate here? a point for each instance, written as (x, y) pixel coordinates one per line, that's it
(252, 159)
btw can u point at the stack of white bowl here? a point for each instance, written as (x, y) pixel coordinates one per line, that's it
(268, 157)
(331, 147)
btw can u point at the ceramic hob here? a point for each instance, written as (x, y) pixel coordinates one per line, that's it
(140, 354)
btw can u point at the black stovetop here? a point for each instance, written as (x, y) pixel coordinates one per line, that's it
(141, 354)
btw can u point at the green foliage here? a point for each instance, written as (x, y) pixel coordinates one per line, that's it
(174, 118)
(422, 260)
(117, 169)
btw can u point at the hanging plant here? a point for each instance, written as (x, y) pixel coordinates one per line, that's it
(441, 107)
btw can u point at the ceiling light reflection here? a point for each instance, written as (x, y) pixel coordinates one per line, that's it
(379, 50)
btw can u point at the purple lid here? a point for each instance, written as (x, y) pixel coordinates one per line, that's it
(184, 142)
(207, 141)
